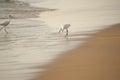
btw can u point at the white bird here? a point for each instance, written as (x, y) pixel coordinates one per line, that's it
(6, 23)
(65, 27)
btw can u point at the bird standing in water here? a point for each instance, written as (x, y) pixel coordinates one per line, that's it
(6, 23)
(65, 27)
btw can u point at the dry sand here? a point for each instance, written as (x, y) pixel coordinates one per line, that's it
(97, 59)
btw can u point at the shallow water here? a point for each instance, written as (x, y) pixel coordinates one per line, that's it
(34, 42)
(29, 44)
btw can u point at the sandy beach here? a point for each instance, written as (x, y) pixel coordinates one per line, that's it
(97, 59)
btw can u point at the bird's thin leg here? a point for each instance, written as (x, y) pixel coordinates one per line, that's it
(60, 30)
(1, 28)
(5, 30)
(66, 33)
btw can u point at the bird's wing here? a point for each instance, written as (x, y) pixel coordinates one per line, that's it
(66, 26)
(5, 23)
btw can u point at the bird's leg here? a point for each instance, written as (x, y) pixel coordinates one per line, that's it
(1, 28)
(5, 30)
(66, 33)
(60, 30)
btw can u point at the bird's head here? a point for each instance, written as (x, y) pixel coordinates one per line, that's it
(69, 24)
(10, 16)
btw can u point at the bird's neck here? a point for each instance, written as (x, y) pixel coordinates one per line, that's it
(9, 19)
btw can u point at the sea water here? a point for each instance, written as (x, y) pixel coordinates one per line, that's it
(34, 42)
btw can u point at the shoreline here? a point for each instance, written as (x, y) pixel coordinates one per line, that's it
(97, 59)
(20, 10)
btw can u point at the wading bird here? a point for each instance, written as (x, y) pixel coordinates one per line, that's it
(65, 27)
(6, 23)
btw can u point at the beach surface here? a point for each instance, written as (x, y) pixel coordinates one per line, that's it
(97, 59)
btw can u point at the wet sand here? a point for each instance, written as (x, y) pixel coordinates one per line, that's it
(97, 59)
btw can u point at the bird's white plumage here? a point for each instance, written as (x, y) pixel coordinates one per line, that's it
(4, 24)
(65, 27)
